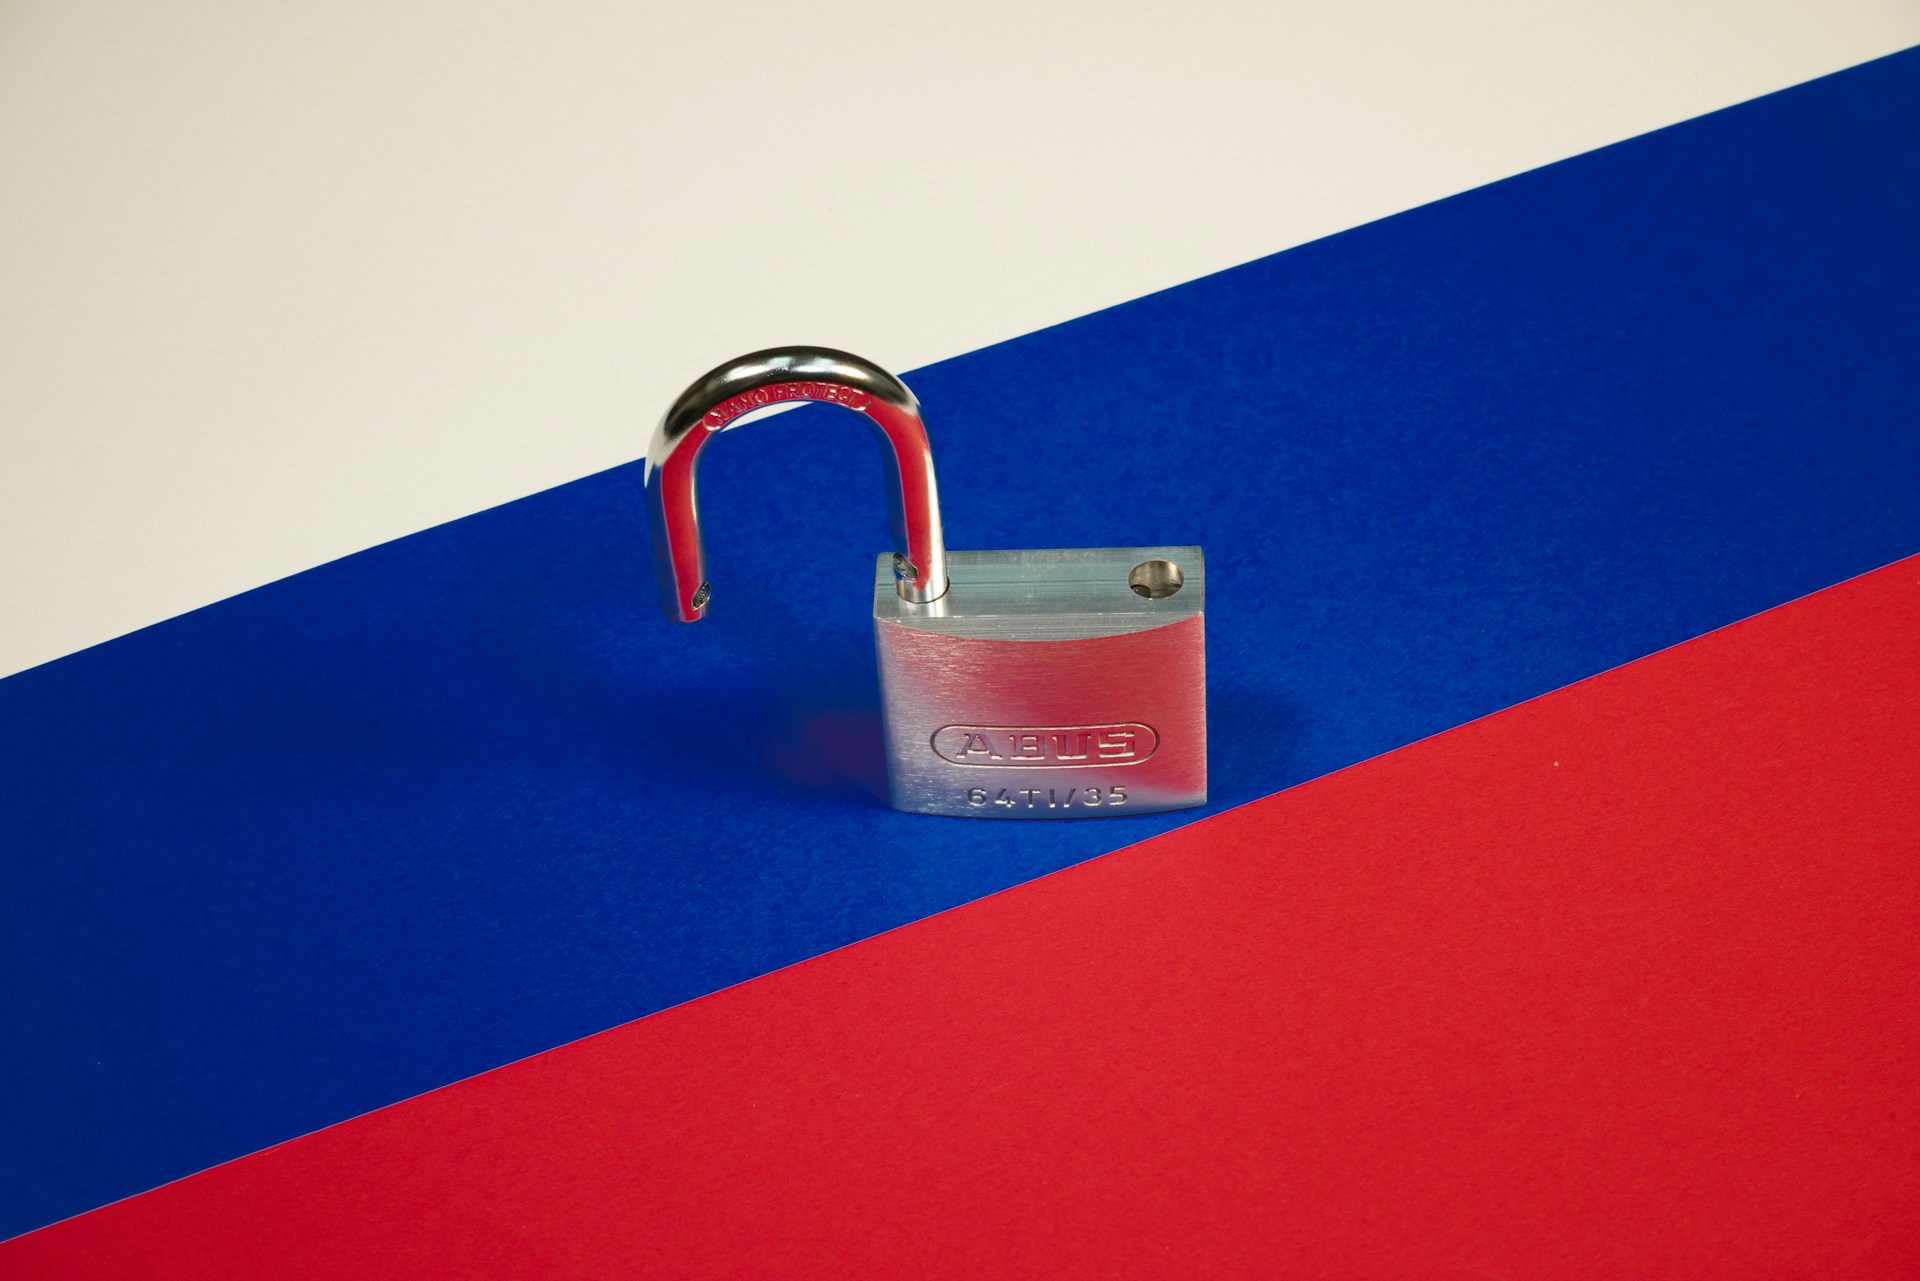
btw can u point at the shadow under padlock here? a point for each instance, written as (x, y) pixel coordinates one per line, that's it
(830, 746)
(1057, 683)
(818, 731)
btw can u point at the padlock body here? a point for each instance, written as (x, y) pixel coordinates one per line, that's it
(1043, 686)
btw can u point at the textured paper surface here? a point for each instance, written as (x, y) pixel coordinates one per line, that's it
(1617, 982)
(283, 281)
(464, 797)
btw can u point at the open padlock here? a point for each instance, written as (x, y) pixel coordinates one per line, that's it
(1015, 684)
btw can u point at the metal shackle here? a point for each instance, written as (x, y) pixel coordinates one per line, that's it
(782, 375)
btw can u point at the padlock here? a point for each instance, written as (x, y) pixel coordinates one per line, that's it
(1014, 684)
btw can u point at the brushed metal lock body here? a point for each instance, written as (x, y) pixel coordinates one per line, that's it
(1041, 685)
(1062, 683)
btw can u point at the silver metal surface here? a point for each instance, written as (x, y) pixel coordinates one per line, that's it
(1056, 594)
(720, 398)
(1043, 686)
(1068, 683)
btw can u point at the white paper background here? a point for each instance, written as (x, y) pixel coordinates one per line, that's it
(279, 282)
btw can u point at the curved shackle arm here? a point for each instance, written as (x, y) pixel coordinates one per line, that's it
(779, 375)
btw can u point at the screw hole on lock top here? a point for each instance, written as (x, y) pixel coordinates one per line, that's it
(1156, 579)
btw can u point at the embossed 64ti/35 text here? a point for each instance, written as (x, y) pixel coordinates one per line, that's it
(1055, 798)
